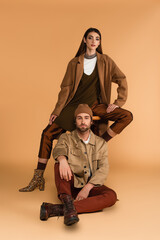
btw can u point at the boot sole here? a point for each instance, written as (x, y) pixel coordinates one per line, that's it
(71, 221)
(43, 215)
(24, 190)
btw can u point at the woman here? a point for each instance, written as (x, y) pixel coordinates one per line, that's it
(87, 80)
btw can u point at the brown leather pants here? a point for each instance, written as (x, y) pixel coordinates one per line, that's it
(119, 116)
(98, 199)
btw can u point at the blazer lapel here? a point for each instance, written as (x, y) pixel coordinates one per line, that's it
(101, 72)
(79, 71)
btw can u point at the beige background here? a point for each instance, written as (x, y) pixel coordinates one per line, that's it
(37, 39)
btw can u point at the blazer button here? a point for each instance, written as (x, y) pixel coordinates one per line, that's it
(85, 172)
(84, 166)
(81, 183)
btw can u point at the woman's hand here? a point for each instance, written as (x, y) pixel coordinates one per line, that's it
(64, 168)
(111, 108)
(52, 118)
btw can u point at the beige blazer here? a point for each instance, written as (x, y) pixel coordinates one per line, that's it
(108, 72)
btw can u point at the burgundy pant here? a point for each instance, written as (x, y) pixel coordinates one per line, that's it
(119, 116)
(98, 199)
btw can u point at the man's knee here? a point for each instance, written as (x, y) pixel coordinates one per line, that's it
(110, 198)
(128, 116)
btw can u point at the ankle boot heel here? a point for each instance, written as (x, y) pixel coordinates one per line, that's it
(41, 186)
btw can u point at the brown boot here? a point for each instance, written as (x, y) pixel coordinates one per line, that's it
(50, 210)
(70, 213)
(37, 181)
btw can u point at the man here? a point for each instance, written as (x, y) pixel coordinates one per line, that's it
(80, 171)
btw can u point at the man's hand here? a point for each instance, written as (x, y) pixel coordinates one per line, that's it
(83, 194)
(64, 168)
(111, 108)
(52, 118)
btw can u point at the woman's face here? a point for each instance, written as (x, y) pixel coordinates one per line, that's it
(92, 41)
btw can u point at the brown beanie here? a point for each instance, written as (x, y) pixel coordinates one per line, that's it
(83, 108)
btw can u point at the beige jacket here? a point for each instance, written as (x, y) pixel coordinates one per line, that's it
(84, 158)
(108, 72)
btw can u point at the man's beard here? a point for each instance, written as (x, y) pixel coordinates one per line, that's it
(82, 129)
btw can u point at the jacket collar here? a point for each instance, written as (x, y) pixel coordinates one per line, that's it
(78, 139)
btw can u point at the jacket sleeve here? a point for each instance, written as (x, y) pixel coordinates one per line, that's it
(119, 78)
(100, 175)
(61, 148)
(65, 90)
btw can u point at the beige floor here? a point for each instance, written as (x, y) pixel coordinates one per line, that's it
(135, 217)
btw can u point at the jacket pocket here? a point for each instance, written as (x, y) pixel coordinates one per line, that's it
(75, 152)
(74, 156)
(75, 161)
(95, 161)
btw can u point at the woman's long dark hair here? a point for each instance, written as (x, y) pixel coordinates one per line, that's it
(82, 48)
